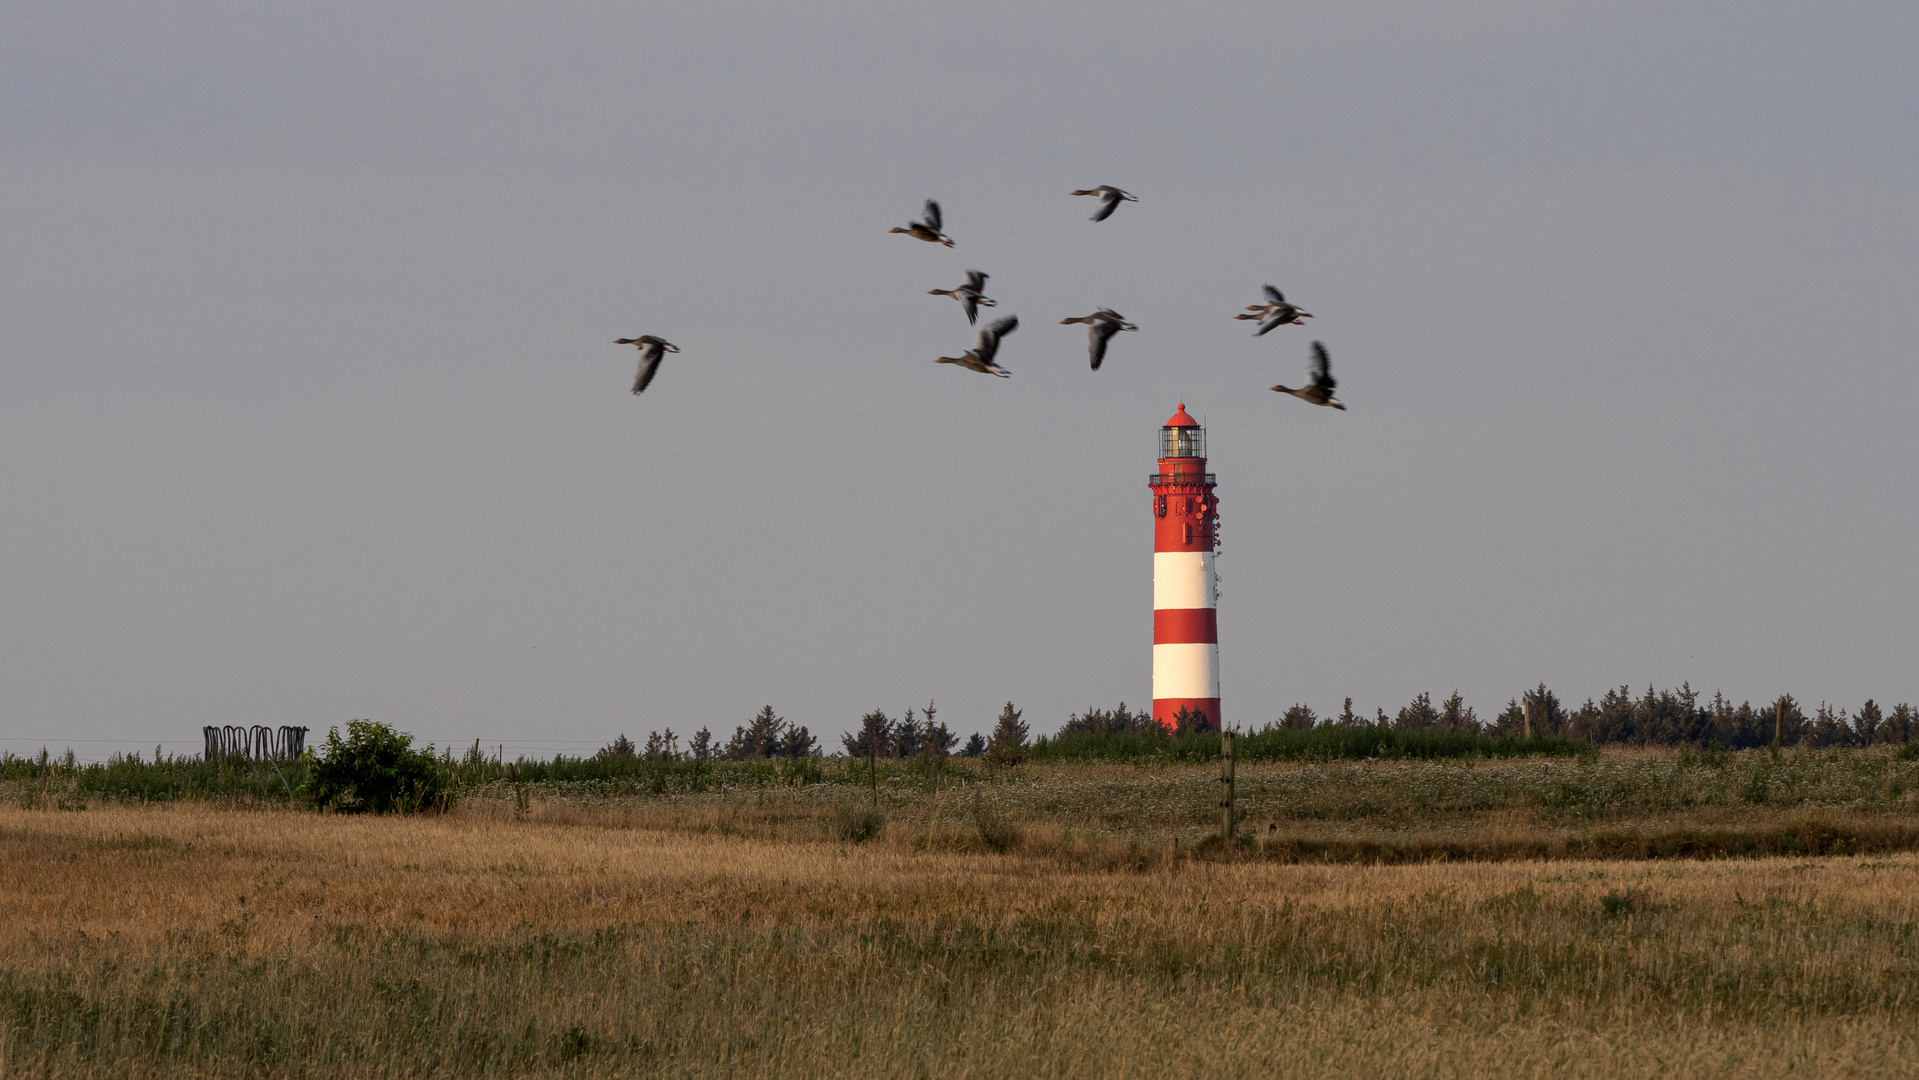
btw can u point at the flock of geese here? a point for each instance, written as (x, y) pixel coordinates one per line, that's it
(1101, 326)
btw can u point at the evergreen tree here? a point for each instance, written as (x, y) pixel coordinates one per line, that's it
(1722, 718)
(798, 742)
(1189, 722)
(975, 745)
(1298, 718)
(621, 747)
(1008, 744)
(661, 747)
(1830, 728)
(1094, 721)
(875, 738)
(1749, 728)
(1419, 715)
(909, 737)
(1549, 716)
(1695, 725)
(1866, 725)
(1458, 715)
(1510, 721)
(1902, 726)
(1348, 718)
(762, 738)
(701, 745)
(939, 740)
(1616, 721)
(1116, 721)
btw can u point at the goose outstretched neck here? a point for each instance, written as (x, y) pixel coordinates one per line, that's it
(1109, 199)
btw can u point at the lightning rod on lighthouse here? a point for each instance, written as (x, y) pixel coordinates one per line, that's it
(1185, 597)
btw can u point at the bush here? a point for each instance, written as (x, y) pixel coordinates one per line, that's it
(855, 826)
(996, 830)
(375, 768)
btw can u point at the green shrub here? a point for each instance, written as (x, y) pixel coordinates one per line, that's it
(996, 830)
(1909, 752)
(375, 768)
(856, 826)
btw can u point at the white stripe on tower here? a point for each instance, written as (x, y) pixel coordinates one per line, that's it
(1186, 670)
(1183, 579)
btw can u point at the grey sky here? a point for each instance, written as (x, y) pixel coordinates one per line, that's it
(312, 411)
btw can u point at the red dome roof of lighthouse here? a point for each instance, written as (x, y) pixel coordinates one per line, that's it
(1180, 419)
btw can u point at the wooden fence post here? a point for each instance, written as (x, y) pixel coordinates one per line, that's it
(1526, 716)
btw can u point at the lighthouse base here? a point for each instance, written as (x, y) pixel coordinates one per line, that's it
(1166, 711)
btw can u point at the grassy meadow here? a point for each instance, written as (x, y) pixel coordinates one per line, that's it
(1621, 914)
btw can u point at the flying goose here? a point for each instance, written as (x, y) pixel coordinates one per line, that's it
(968, 294)
(652, 351)
(1320, 390)
(1101, 325)
(1274, 312)
(928, 227)
(1109, 200)
(980, 357)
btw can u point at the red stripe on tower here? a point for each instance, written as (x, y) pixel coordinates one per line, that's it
(1185, 534)
(1186, 626)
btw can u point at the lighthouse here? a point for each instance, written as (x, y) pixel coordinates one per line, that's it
(1185, 532)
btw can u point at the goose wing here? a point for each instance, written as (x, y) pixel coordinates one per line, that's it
(1109, 201)
(976, 280)
(1097, 335)
(988, 345)
(1276, 320)
(932, 215)
(650, 356)
(1273, 296)
(1322, 368)
(969, 299)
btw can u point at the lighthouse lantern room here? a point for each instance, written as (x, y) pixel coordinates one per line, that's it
(1185, 536)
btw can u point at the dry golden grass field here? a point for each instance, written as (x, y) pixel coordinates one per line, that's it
(737, 934)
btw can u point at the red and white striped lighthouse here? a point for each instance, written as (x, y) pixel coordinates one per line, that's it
(1185, 530)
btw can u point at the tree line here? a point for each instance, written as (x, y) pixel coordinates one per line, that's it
(765, 736)
(1656, 718)
(1619, 718)
(770, 736)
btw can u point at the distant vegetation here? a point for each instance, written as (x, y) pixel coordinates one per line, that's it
(1313, 744)
(1452, 729)
(63, 782)
(387, 773)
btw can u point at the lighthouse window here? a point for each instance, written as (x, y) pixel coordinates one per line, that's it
(1182, 442)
